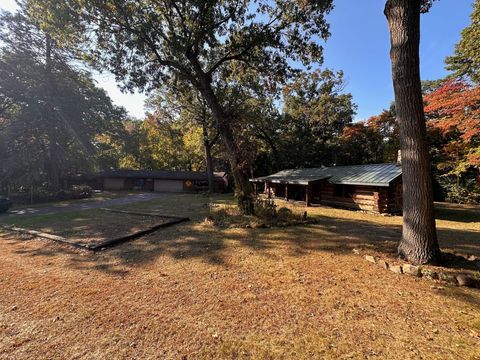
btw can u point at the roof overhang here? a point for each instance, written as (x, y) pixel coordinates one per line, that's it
(286, 181)
(309, 182)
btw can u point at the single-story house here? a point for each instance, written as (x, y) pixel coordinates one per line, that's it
(150, 180)
(374, 187)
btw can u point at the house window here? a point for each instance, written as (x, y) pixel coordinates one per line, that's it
(345, 191)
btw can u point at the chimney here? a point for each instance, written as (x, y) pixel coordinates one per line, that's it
(399, 157)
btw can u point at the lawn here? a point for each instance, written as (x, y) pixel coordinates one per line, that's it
(99, 196)
(197, 291)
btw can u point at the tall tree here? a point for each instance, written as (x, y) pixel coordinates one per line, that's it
(316, 111)
(419, 242)
(372, 141)
(453, 113)
(186, 106)
(52, 111)
(466, 60)
(204, 42)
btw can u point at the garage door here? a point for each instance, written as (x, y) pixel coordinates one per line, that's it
(168, 185)
(114, 184)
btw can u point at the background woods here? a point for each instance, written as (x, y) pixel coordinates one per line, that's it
(55, 121)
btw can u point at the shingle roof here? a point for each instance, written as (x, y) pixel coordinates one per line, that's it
(372, 174)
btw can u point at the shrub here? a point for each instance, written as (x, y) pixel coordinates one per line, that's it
(462, 192)
(81, 192)
(265, 208)
(284, 213)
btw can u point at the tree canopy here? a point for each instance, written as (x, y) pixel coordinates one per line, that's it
(52, 112)
(209, 44)
(466, 60)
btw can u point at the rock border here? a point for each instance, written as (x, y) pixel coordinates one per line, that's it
(461, 279)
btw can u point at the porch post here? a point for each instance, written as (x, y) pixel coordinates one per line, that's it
(286, 192)
(308, 195)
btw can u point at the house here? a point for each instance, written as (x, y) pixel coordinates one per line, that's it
(375, 187)
(150, 180)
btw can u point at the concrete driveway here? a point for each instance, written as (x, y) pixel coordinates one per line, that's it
(56, 208)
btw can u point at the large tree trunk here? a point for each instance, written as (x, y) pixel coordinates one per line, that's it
(208, 159)
(243, 187)
(419, 243)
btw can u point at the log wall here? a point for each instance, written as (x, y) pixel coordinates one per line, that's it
(368, 198)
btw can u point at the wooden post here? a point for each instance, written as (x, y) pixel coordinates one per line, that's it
(286, 192)
(376, 198)
(308, 195)
(269, 190)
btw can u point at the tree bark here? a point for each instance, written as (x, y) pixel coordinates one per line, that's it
(243, 187)
(208, 159)
(419, 243)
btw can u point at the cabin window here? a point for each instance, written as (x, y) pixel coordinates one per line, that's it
(345, 191)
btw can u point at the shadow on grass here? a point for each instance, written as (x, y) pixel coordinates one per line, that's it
(214, 245)
(195, 240)
(457, 212)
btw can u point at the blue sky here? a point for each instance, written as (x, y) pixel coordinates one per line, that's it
(359, 46)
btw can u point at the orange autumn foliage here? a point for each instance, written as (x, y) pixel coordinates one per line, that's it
(454, 109)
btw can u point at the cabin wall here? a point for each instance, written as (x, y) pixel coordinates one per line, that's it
(395, 197)
(377, 199)
(368, 198)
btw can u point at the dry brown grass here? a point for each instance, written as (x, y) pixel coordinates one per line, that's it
(197, 291)
(88, 227)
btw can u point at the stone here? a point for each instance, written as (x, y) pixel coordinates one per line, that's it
(465, 280)
(448, 278)
(429, 274)
(412, 270)
(476, 283)
(382, 263)
(356, 251)
(397, 269)
(370, 258)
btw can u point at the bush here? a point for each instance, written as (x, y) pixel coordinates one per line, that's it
(265, 208)
(462, 192)
(5, 204)
(81, 192)
(284, 213)
(40, 195)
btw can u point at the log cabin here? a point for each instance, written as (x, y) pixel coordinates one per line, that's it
(374, 187)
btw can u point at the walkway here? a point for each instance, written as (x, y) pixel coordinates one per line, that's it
(93, 203)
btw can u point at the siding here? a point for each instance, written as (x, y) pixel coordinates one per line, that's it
(113, 184)
(168, 186)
